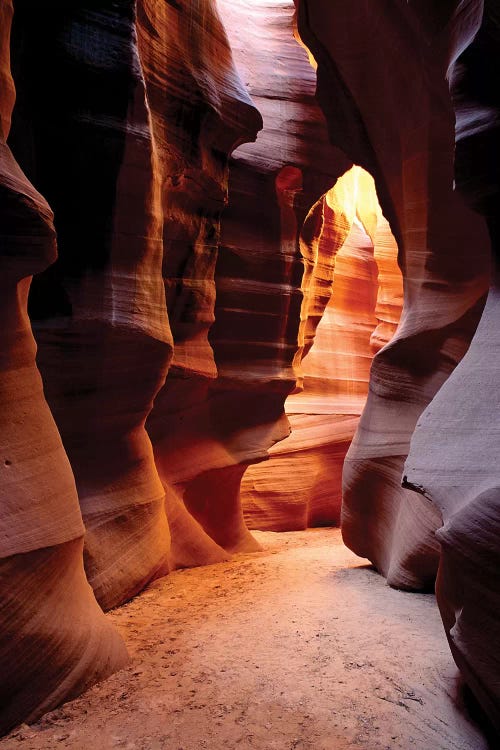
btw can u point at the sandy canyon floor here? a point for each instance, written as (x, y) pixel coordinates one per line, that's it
(299, 647)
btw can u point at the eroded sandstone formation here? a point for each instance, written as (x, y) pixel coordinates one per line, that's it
(445, 265)
(201, 112)
(250, 277)
(54, 640)
(155, 134)
(355, 267)
(453, 459)
(99, 125)
(404, 136)
(222, 405)
(99, 314)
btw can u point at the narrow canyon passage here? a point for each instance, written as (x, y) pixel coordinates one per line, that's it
(299, 646)
(245, 250)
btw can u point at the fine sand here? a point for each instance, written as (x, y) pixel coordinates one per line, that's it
(301, 646)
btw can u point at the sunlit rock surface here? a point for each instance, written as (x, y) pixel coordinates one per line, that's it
(453, 459)
(301, 484)
(404, 135)
(200, 111)
(269, 236)
(278, 279)
(54, 640)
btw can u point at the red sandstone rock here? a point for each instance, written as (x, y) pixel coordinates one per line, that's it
(200, 112)
(301, 484)
(403, 134)
(99, 313)
(54, 640)
(155, 105)
(268, 232)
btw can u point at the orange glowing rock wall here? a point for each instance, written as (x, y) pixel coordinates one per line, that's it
(138, 234)
(54, 640)
(274, 187)
(201, 111)
(151, 95)
(355, 269)
(98, 313)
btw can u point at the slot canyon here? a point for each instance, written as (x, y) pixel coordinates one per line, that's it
(249, 419)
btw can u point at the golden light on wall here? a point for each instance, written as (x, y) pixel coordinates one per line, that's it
(352, 298)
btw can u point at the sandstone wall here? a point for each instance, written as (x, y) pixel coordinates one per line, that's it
(54, 639)
(99, 313)
(96, 129)
(404, 135)
(355, 269)
(222, 407)
(201, 112)
(204, 273)
(453, 454)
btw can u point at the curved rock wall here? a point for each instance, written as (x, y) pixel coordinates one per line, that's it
(155, 133)
(136, 108)
(54, 640)
(356, 266)
(269, 237)
(94, 115)
(443, 247)
(98, 313)
(201, 111)
(453, 459)
(404, 136)
(126, 119)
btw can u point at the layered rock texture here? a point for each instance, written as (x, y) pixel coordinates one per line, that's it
(222, 405)
(124, 144)
(355, 272)
(200, 112)
(404, 136)
(54, 640)
(461, 477)
(202, 248)
(154, 125)
(98, 313)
